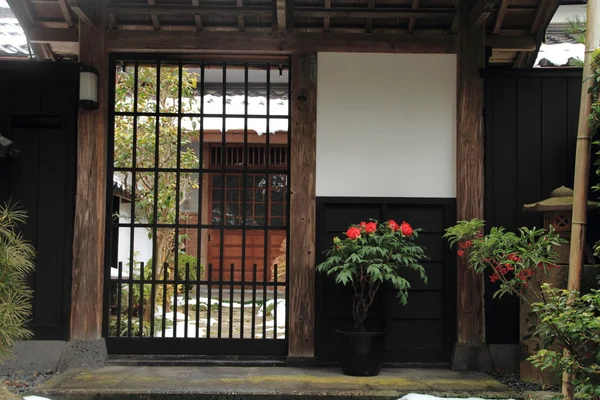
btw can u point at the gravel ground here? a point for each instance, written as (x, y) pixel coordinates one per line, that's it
(24, 382)
(512, 380)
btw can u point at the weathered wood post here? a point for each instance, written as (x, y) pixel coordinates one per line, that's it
(302, 208)
(470, 348)
(86, 347)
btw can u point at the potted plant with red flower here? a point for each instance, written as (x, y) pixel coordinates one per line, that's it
(372, 253)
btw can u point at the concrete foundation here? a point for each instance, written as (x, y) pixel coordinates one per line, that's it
(83, 354)
(34, 355)
(472, 357)
(265, 383)
(505, 357)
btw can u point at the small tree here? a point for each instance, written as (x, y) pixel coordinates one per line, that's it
(168, 148)
(16, 262)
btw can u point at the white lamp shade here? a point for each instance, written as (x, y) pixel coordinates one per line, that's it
(88, 87)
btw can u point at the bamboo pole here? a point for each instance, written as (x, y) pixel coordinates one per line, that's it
(582, 165)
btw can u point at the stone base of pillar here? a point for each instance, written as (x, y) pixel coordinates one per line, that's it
(83, 354)
(472, 357)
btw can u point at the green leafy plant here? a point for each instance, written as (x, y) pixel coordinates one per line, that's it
(515, 260)
(566, 320)
(16, 262)
(574, 322)
(371, 254)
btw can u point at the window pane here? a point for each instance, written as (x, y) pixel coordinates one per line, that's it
(124, 90)
(233, 195)
(146, 88)
(169, 87)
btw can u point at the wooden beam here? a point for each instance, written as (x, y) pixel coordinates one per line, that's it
(469, 180)
(50, 35)
(197, 18)
(512, 43)
(286, 43)
(281, 15)
(90, 196)
(480, 12)
(83, 10)
(303, 163)
(66, 12)
(412, 21)
(183, 9)
(23, 14)
(500, 16)
(361, 12)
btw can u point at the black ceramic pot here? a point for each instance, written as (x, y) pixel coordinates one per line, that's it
(361, 353)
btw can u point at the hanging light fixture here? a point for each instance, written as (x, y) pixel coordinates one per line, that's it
(88, 88)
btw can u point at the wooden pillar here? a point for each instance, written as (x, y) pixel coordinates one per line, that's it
(469, 174)
(90, 197)
(302, 207)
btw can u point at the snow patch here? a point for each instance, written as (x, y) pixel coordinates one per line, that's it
(415, 396)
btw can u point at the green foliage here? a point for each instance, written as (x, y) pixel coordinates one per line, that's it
(16, 262)
(576, 29)
(515, 260)
(113, 326)
(573, 321)
(170, 152)
(383, 255)
(183, 259)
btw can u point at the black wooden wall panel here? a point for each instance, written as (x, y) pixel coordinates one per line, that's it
(425, 329)
(38, 111)
(531, 121)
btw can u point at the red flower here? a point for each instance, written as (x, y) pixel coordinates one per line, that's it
(393, 225)
(406, 229)
(363, 224)
(460, 253)
(353, 233)
(371, 227)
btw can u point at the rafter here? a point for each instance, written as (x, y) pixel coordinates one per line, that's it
(480, 12)
(280, 17)
(412, 21)
(64, 8)
(369, 26)
(327, 20)
(241, 24)
(197, 18)
(500, 16)
(83, 10)
(153, 16)
(21, 10)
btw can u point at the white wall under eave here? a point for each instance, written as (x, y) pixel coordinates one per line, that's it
(386, 125)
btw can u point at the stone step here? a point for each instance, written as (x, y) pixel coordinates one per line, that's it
(193, 361)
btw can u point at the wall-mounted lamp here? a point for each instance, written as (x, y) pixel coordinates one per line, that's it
(88, 88)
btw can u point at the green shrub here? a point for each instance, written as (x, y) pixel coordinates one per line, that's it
(17, 258)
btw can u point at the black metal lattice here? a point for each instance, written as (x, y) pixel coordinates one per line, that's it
(202, 299)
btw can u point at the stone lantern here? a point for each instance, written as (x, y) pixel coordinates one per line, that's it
(557, 211)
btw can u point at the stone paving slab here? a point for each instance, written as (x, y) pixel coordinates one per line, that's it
(269, 383)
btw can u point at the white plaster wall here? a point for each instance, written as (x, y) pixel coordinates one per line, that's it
(386, 125)
(142, 245)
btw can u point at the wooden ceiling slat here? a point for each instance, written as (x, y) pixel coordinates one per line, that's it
(205, 10)
(281, 17)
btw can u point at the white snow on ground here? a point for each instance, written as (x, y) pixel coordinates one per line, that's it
(559, 54)
(35, 398)
(415, 396)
